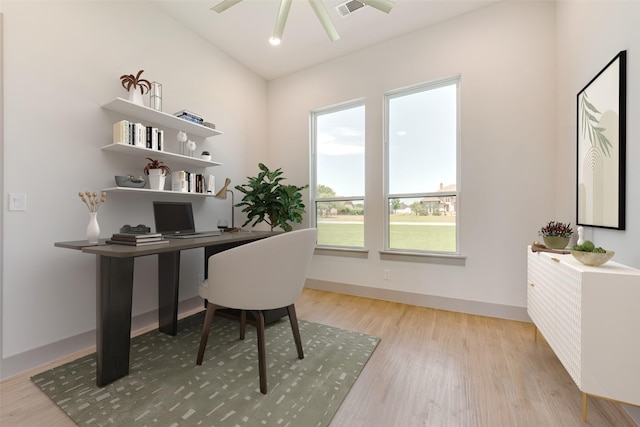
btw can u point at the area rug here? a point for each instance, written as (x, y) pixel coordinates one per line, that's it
(165, 387)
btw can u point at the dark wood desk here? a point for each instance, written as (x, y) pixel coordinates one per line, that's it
(114, 291)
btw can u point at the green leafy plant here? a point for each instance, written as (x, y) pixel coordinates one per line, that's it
(130, 81)
(556, 228)
(156, 164)
(267, 199)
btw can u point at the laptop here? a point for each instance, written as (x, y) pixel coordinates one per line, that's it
(175, 220)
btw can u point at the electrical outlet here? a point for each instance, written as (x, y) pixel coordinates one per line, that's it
(386, 274)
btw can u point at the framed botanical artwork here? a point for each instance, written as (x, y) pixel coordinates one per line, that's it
(601, 133)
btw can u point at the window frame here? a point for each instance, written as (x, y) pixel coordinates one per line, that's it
(387, 197)
(313, 178)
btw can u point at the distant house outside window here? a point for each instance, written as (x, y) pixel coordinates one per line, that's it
(338, 141)
(421, 173)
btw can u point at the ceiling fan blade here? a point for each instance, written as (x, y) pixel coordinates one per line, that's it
(383, 5)
(224, 5)
(323, 16)
(281, 20)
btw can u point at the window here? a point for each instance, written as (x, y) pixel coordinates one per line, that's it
(337, 137)
(421, 155)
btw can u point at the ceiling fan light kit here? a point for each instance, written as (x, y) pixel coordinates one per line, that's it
(319, 9)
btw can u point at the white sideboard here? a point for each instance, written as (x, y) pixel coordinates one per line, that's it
(590, 316)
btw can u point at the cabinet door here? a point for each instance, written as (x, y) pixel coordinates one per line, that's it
(554, 305)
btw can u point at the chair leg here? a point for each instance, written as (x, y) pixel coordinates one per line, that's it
(243, 323)
(206, 326)
(262, 357)
(293, 319)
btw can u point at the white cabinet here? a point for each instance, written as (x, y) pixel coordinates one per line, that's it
(590, 316)
(164, 121)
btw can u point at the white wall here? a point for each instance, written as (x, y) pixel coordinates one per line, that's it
(590, 34)
(505, 56)
(63, 61)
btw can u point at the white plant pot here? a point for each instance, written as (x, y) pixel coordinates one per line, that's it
(156, 179)
(135, 96)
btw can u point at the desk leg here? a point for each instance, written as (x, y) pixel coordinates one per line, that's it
(168, 282)
(114, 292)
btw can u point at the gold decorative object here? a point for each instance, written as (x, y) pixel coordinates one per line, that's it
(92, 200)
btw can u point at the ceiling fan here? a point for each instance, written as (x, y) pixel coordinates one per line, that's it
(319, 9)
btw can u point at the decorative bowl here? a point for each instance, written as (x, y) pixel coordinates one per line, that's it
(593, 259)
(129, 181)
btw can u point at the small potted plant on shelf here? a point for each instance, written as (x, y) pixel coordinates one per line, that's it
(556, 234)
(129, 82)
(267, 199)
(157, 171)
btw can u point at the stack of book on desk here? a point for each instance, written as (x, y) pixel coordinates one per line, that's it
(132, 239)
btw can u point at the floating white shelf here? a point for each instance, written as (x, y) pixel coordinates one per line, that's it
(141, 112)
(146, 190)
(160, 155)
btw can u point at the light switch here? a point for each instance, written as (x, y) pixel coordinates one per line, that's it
(17, 202)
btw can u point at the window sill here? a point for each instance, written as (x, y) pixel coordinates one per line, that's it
(343, 252)
(444, 259)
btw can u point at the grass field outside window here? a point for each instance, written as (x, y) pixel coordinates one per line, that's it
(407, 231)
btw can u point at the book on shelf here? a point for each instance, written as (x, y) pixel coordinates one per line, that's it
(190, 119)
(121, 132)
(137, 243)
(139, 133)
(179, 181)
(188, 182)
(129, 133)
(184, 114)
(135, 236)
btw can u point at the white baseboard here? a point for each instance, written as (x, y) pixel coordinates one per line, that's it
(46, 354)
(443, 303)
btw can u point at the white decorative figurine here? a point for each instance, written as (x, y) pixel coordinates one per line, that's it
(191, 147)
(182, 138)
(580, 235)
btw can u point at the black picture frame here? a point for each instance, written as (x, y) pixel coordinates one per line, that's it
(601, 147)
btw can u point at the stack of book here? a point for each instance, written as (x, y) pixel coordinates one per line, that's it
(126, 132)
(132, 239)
(189, 116)
(188, 182)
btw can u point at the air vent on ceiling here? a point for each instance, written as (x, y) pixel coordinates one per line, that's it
(349, 7)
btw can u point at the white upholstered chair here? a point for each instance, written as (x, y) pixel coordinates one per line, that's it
(262, 275)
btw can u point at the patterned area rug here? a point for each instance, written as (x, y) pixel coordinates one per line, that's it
(165, 387)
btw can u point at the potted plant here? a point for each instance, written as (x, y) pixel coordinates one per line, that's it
(157, 171)
(267, 199)
(129, 81)
(556, 234)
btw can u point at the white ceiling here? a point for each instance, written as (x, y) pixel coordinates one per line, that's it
(243, 30)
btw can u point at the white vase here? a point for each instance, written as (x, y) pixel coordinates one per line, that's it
(156, 179)
(135, 96)
(93, 229)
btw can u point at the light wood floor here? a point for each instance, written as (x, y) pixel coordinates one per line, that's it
(432, 368)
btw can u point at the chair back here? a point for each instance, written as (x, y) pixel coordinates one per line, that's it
(262, 275)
